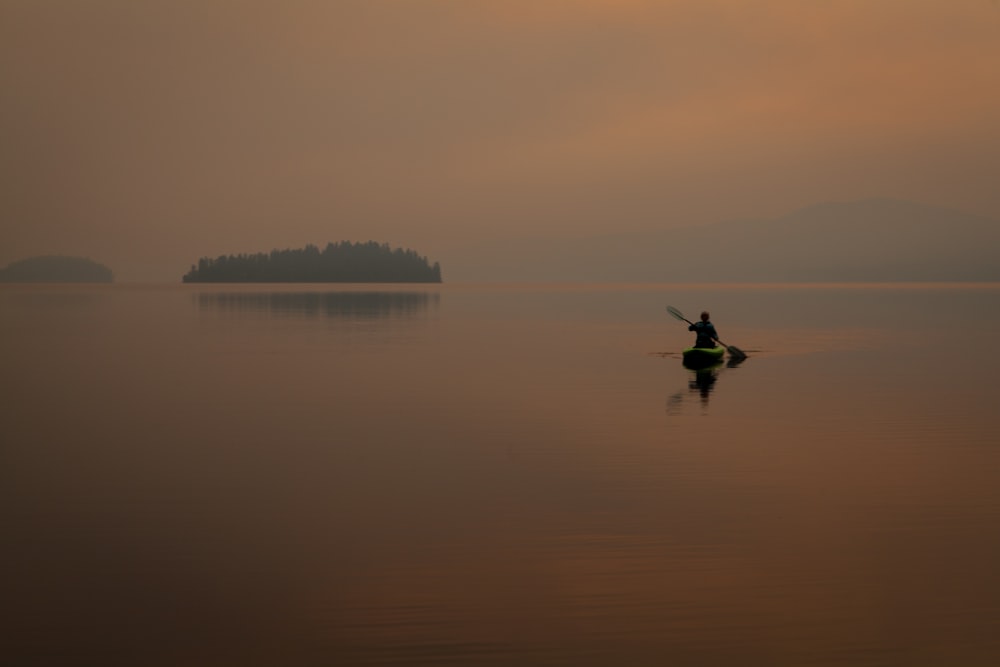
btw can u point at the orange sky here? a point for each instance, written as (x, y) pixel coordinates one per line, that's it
(147, 134)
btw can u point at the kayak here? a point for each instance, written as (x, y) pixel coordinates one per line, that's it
(703, 356)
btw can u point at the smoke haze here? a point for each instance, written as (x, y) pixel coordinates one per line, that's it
(148, 134)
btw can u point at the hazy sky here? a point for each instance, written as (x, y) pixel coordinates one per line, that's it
(148, 133)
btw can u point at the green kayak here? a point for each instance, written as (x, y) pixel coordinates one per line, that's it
(703, 356)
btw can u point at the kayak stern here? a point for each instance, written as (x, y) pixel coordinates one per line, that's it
(703, 356)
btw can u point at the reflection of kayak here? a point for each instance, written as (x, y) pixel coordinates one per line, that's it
(706, 368)
(703, 356)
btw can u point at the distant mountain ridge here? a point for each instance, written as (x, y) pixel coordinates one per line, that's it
(874, 240)
(56, 269)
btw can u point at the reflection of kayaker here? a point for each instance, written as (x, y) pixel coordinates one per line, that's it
(703, 381)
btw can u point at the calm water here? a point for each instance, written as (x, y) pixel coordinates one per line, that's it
(450, 475)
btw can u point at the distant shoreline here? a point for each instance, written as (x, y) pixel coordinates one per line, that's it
(567, 285)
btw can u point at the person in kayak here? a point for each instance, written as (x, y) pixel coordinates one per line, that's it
(705, 332)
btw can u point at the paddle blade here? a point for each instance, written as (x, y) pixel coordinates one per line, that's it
(676, 313)
(736, 353)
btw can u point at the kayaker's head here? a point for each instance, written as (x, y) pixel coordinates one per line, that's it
(704, 316)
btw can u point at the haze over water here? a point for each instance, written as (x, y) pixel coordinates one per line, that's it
(471, 475)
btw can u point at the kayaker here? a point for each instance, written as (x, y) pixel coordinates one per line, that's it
(705, 332)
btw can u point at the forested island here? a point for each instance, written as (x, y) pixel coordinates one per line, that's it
(343, 262)
(56, 269)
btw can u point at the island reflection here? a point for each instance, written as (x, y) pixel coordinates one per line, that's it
(332, 304)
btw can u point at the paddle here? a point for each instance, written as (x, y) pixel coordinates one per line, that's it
(733, 351)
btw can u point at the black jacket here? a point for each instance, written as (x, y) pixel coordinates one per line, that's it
(705, 332)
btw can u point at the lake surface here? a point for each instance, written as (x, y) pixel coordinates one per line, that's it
(486, 475)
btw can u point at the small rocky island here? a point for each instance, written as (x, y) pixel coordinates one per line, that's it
(56, 269)
(343, 262)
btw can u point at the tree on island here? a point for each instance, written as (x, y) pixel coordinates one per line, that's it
(343, 262)
(56, 269)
